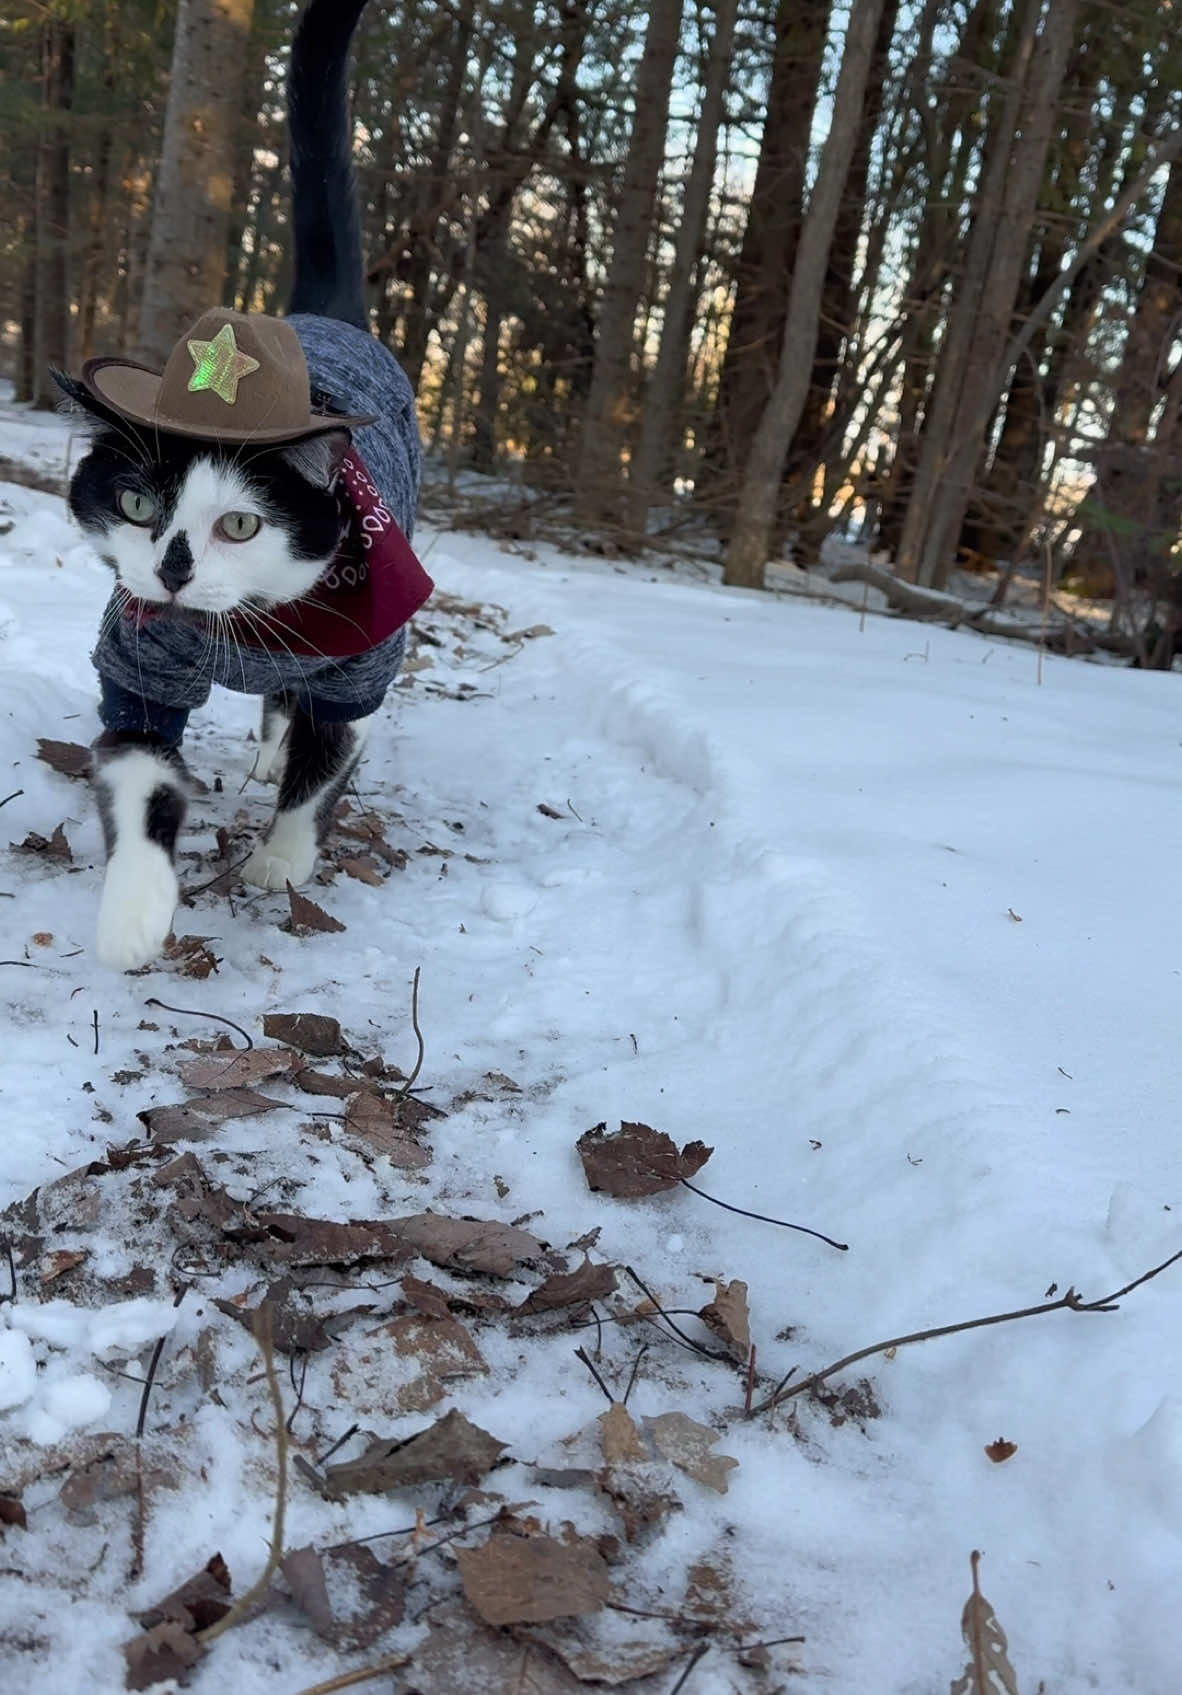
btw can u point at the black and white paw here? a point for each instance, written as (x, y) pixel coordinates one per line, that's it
(139, 898)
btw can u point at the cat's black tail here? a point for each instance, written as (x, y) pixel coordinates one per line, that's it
(325, 219)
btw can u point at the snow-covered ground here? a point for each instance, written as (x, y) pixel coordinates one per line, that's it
(890, 926)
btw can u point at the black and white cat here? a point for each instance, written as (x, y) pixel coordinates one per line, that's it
(275, 568)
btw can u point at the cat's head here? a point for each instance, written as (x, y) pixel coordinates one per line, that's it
(201, 527)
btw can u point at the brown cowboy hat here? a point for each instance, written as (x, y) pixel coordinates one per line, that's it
(235, 376)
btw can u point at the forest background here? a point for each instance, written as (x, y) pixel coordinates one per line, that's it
(910, 271)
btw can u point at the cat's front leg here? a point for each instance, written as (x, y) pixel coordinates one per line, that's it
(278, 710)
(320, 760)
(140, 782)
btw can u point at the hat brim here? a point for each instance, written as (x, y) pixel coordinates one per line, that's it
(132, 391)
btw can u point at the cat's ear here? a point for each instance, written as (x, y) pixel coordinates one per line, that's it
(318, 458)
(78, 403)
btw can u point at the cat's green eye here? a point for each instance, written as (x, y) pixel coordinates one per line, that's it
(238, 526)
(137, 508)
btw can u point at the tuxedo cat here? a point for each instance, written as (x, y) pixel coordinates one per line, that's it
(254, 502)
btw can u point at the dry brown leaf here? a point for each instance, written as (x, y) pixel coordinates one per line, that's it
(70, 759)
(292, 1239)
(643, 1507)
(449, 1448)
(528, 1580)
(109, 1476)
(198, 1118)
(428, 1298)
(296, 1328)
(468, 1244)
(728, 1316)
(620, 1437)
(637, 1160)
(1001, 1450)
(325, 1083)
(166, 1652)
(200, 1601)
(12, 1513)
(687, 1444)
(587, 1282)
(442, 1345)
(462, 1653)
(55, 847)
(989, 1671)
(196, 959)
(56, 1264)
(236, 1070)
(609, 1661)
(387, 1127)
(347, 1594)
(308, 918)
(312, 1033)
(362, 868)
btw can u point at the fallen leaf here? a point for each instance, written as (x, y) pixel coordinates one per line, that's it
(687, 1444)
(348, 1595)
(530, 634)
(326, 1083)
(621, 1439)
(428, 1298)
(727, 1315)
(42, 938)
(362, 868)
(197, 1118)
(167, 1652)
(548, 811)
(293, 1239)
(12, 1513)
(108, 1477)
(643, 1507)
(461, 1653)
(55, 1265)
(636, 1159)
(571, 1288)
(611, 1661)
(449, 1448)
(71, 759)
(307, 918)
(200, 1601)
(296, 1328)
(1001, 1450)
(312, 1033)
(55, 847)
(443, 1347)
(468, 1244)
(988, 1671)
(527, 1580)
(387, 1127)
(238, 1069)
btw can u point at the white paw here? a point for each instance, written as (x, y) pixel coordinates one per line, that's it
(281, 860)
(135, 913)
(270, 760)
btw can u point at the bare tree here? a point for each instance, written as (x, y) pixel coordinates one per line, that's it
(187, 250)
(51, 299)
(599, 479)
(666, 390)
(747, 554)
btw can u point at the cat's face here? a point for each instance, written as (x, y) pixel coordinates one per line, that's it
(203, 528)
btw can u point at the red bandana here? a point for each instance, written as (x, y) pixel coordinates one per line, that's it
(374, 585)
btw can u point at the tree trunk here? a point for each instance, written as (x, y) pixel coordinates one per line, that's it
(52, 305)
(747, 554)
(664, 402)
(813, 440)
(187, 250)
(977, 339)
(768, 253)
(599, 478)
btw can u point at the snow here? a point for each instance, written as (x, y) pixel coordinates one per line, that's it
(888, 924)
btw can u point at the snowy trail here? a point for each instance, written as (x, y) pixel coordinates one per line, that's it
(774, 912)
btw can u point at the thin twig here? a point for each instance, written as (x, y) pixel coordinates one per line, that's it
(152, 1365)
(263, 1335)
(696, 1347)
(414, 1018)
(96, 1030)
(195, 1012)
(750, 1382)
(362, 1675)
(338, 1444)
(635, 1368)
(763, 1217)
(698, 1654)
(15, 795)
(227, 871)
(1069, 1302)
(582, 1354)
(139, 1524)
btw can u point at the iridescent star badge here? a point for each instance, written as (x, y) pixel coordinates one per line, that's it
(219, 366)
